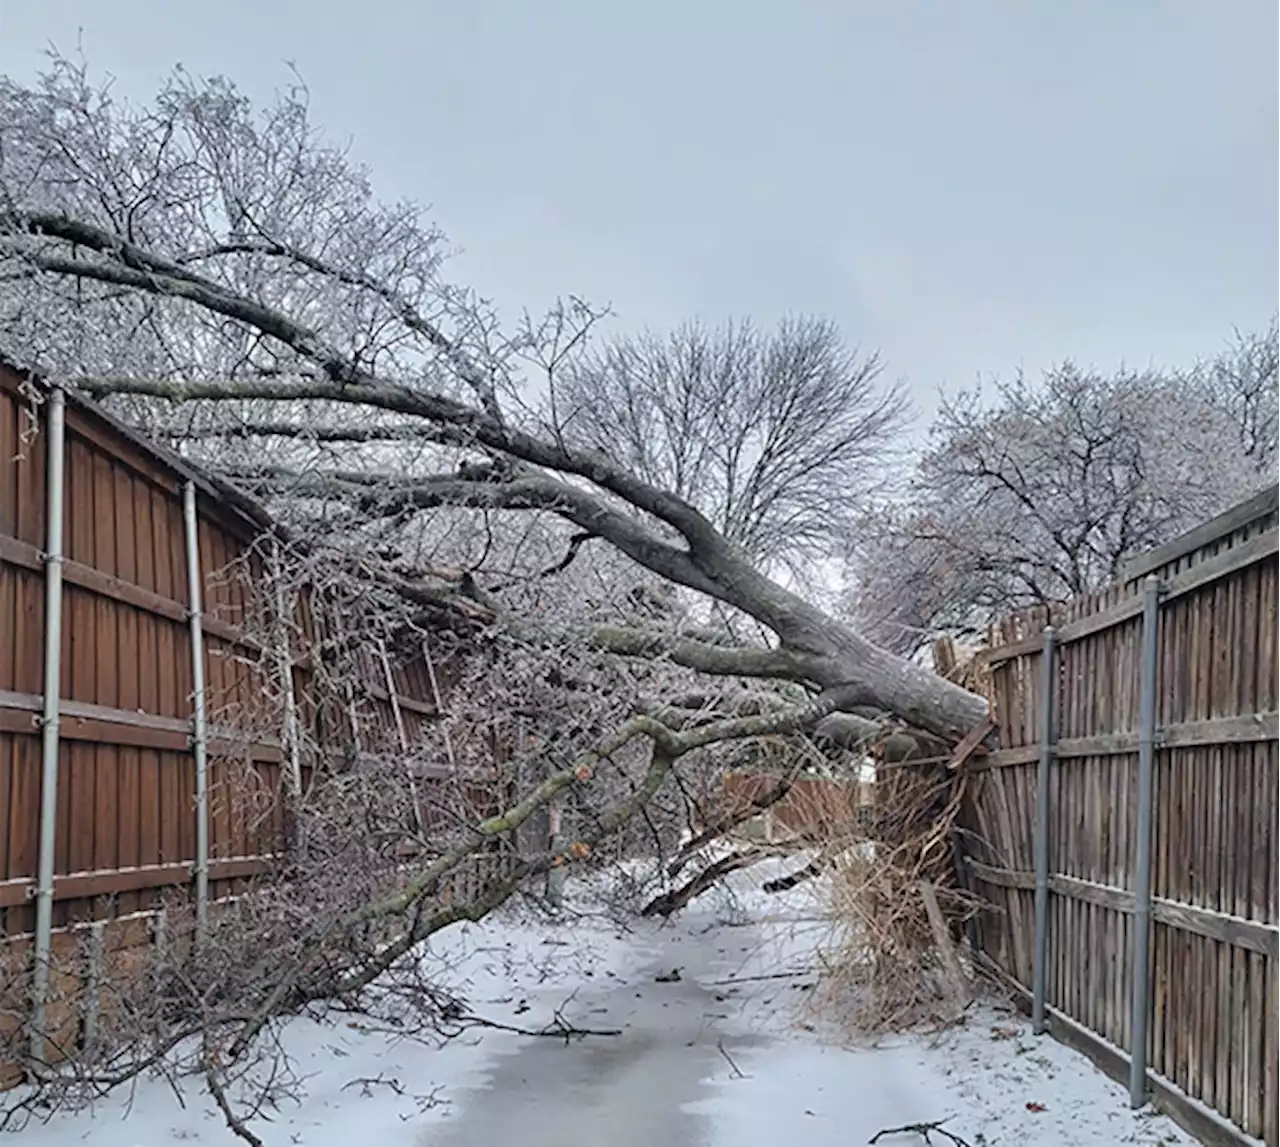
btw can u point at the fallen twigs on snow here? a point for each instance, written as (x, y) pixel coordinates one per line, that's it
(558, 1028)
(738, 1073)
(924, 1130)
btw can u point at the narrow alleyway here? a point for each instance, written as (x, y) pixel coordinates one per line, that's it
(632, 1090)
(725, 1055)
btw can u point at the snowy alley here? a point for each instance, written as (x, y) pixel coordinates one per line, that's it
(716, 1049)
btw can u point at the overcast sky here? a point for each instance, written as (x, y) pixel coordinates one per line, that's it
(971, 186)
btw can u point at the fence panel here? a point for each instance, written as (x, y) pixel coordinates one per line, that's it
(126, 821)
(1212, 1031)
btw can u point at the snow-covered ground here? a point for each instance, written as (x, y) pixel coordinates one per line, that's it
(717, 1050)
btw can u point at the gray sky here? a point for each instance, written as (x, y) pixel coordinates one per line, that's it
(968, 186)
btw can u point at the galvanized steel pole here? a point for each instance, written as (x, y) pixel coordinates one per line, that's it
(1141, 974)
(199, 720)
(1048, 688)
(55, 449)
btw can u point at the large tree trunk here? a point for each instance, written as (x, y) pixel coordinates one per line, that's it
(833, 655)
(920, 698)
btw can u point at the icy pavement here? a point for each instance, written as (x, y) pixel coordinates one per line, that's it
(712, 1053)
(632, 1090)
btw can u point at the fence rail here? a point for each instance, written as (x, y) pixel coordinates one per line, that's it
(1176, 940)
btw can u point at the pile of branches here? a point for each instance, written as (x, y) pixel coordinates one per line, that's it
(895, 962)
(898, 911)
(881, 855)
(379, 860)
(342, 931)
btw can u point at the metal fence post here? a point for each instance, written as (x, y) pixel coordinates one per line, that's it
(55, 449)
(199, 720)
(1048, 688)
(1141, 982)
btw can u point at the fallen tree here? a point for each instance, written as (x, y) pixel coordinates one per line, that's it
(342, 927)
(227, 282)
(232, 277)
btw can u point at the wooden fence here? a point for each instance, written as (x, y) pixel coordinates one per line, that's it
(126, 830)
(1211, 977)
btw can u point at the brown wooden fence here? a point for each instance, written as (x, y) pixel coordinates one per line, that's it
(126, 824)
(1212, 1034)
(125, 831)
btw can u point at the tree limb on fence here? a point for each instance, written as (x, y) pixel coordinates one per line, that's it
(293, 989)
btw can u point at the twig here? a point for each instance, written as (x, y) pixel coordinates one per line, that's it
(366, 1083)
(558, 1027)
(234, 1123)
(924, 1130)
(756, 979)
(737, 1071)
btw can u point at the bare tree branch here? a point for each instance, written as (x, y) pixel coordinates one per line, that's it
(411, 432)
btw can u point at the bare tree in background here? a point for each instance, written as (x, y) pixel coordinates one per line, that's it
(1039, 492)
(1243, 383)
(778, 437)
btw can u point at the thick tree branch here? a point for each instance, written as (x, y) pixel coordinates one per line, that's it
(703, 657)
(409, 432)
(524, 489)
(144, 271)
(670, 902)
(476, 378)
(709, 565)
